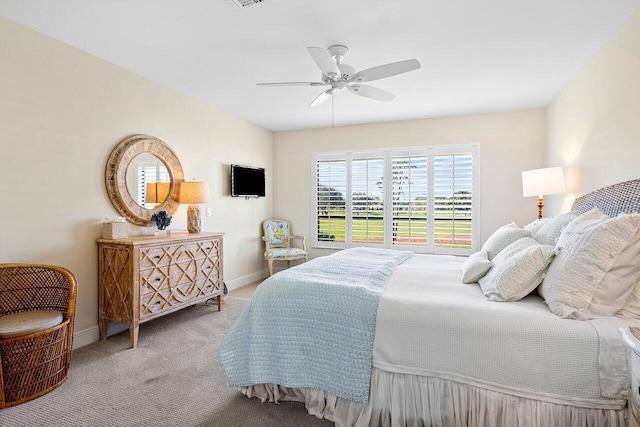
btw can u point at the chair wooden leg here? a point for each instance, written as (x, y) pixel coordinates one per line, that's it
(270, 262)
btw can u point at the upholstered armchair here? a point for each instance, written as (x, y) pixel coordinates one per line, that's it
(37, 312)
(277, 239)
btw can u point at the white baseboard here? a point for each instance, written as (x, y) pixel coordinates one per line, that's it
(245, 280)
(92, 334)
(86, 337)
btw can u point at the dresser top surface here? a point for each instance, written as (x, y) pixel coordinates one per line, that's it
(164, 238)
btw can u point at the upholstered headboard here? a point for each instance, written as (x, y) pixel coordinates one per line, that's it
(615, 199)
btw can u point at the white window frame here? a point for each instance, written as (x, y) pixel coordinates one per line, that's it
(387, 155)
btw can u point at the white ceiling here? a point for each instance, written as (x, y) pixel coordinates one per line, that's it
(477, 55)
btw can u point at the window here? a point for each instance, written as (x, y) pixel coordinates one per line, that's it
(420, 199)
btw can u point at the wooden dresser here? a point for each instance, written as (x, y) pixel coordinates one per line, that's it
(141, 278)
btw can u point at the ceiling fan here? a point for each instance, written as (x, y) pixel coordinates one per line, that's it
(342, 76)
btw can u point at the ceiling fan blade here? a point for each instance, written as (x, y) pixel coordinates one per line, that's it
(321, 98)
(293, 84)
(387, 70)
(371, 92)
(322, 59)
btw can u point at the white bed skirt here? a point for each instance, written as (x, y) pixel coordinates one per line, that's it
(428, 401)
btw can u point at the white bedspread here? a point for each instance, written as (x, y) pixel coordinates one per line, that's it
(431, 324)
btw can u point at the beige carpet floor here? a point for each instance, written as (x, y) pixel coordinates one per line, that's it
(173, 378)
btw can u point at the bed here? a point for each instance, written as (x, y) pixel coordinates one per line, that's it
(440, 353)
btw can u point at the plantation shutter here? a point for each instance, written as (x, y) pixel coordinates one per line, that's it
(146, 174)
(453, 200)
(410, 200)
(422, 199)
(367, 201)
(331, 189)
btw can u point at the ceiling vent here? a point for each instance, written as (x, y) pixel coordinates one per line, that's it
(245, 3)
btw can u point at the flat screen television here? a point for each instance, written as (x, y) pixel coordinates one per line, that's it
(247, 181)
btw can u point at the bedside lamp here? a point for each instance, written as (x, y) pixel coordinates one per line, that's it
(193, 193)
(542, 182)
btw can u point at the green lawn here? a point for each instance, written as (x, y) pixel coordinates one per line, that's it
(411, 231)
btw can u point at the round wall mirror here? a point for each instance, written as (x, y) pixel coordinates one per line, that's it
(148, 180)
(142, 178)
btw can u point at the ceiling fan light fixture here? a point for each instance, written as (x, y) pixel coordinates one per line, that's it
(342, 76)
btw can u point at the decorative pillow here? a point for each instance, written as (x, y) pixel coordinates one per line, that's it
(502, 238)
(536, 225)
(517, 270)
(549, 232)
(278, 234)
(630, 312)
(596, 267)
(475, 267)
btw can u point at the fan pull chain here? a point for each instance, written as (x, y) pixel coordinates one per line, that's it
(332, 122)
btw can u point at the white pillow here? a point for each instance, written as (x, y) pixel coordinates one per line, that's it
(503, 237)
(517, 270)
(596, 267)
(536, 225)
(550, 231)
(630, 312)
(475, 267)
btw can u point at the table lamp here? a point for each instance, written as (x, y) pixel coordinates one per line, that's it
(193, 193)
(157, 192)
(542, 182)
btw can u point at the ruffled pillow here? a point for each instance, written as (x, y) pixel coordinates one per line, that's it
(475, 267)
(503, 237)
(596, 268)
(550, 231)
(535, 226)
(517, 270)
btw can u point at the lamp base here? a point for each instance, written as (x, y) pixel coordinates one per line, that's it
(540, 206)
(193, 219)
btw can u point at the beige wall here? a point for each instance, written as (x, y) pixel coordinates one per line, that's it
(509, 143)
(594, 122)
(61, 113)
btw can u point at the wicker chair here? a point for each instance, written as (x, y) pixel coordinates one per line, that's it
(33, 365)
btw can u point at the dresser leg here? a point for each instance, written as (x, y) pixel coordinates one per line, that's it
(220, 302)
(133, 335)
(104, 324)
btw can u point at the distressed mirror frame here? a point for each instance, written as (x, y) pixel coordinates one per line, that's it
(116, 174)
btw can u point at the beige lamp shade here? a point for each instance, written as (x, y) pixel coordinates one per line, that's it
(543, 182)
(157, 192)
(194, 192)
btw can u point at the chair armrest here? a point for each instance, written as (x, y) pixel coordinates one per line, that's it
(304, 241)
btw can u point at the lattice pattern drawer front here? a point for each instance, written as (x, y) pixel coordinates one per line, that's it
(198, 251)
(210, 268)
(183, 272)
(207, 286)
(155, 279)
(154, 302)
(156, 257)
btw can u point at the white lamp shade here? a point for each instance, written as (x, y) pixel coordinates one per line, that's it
(194, 192)
(543, 182)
